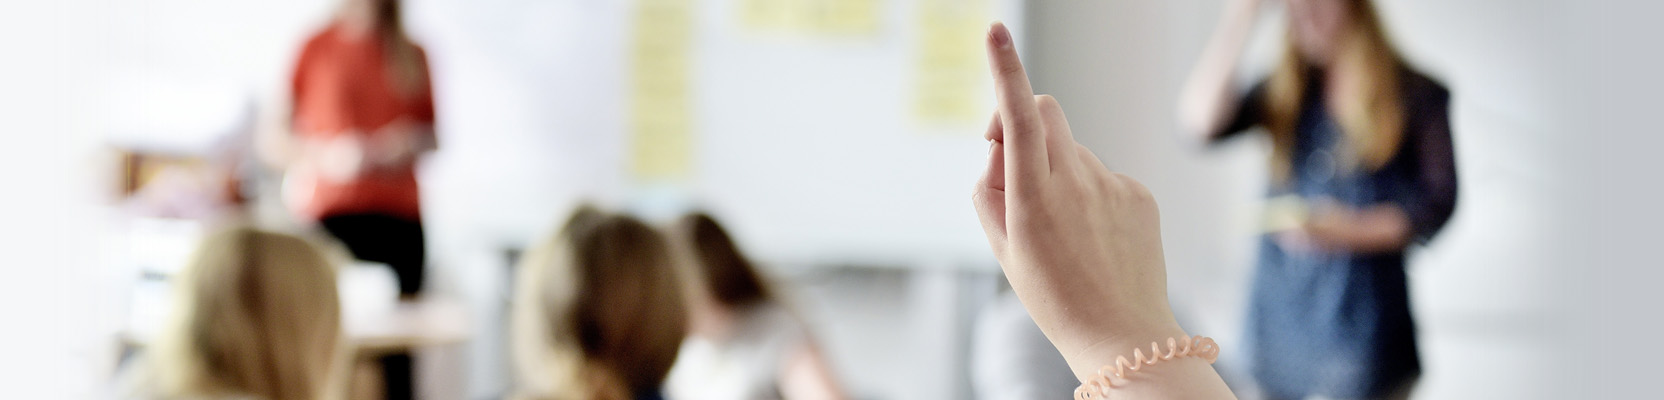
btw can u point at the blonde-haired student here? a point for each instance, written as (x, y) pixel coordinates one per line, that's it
(257, 317)
(598, 312)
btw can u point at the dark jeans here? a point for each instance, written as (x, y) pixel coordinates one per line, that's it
(398, 243)
(385, 239)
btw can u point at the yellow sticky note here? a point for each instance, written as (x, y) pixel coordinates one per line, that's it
(846, 17)
(768, 14)
(952, 79)
(811, 17)
(660, 109)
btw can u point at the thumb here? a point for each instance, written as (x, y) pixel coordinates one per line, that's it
(989, 200)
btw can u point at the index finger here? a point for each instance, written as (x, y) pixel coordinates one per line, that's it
(1024, 142)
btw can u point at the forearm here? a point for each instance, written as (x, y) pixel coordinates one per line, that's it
(403, 143)
(306, 152)
(1209, 95)
(275, 142)
(1382, 228)
(426, 139)
(276, 146)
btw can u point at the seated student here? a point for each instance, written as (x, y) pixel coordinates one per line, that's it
(257, 318)
(597, 312)
(1081, 247)
(744, 344)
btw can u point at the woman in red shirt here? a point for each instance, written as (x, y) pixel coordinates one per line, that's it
(362, 114)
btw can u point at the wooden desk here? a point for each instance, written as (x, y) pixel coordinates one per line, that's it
(408, 326)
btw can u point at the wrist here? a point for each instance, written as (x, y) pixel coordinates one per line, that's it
(1121, 342)
(1186, 376)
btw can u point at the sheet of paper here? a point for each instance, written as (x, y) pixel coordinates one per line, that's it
(1284, 212)
(952, 82)
(660, 109)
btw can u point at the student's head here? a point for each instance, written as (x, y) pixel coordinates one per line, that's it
(1344, 38)
(720, 279)
(257, 316)
(720, 271)
(598, 310)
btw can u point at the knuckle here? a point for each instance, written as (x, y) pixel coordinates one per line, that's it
(1105, 181)
(1132, 189)
(1109, 179)
(1027, 196)
(1047, 102)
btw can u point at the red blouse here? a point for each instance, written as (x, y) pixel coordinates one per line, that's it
(342, 86)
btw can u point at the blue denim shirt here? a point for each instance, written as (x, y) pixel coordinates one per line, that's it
(1339, 324)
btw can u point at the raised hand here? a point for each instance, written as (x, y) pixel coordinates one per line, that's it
(1080, 245)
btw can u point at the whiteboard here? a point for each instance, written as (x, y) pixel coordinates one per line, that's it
(805, 146)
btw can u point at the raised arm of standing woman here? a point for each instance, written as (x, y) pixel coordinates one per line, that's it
(1210, 96)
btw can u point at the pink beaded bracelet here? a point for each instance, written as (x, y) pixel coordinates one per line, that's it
(1099, 386)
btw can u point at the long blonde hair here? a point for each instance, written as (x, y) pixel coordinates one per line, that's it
(598, 312)
(408, 64)
(1372, 119)
(258, 316)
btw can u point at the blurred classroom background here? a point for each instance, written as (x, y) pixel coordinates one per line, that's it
(838, 140)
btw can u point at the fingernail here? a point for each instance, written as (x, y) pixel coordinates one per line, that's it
(1000, 35)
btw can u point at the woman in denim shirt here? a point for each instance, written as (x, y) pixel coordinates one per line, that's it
(1361, 142)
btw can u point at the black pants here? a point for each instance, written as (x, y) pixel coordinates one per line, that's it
(385, 239)
(398, 243)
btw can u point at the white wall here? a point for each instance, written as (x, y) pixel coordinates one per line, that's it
(64, 65)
